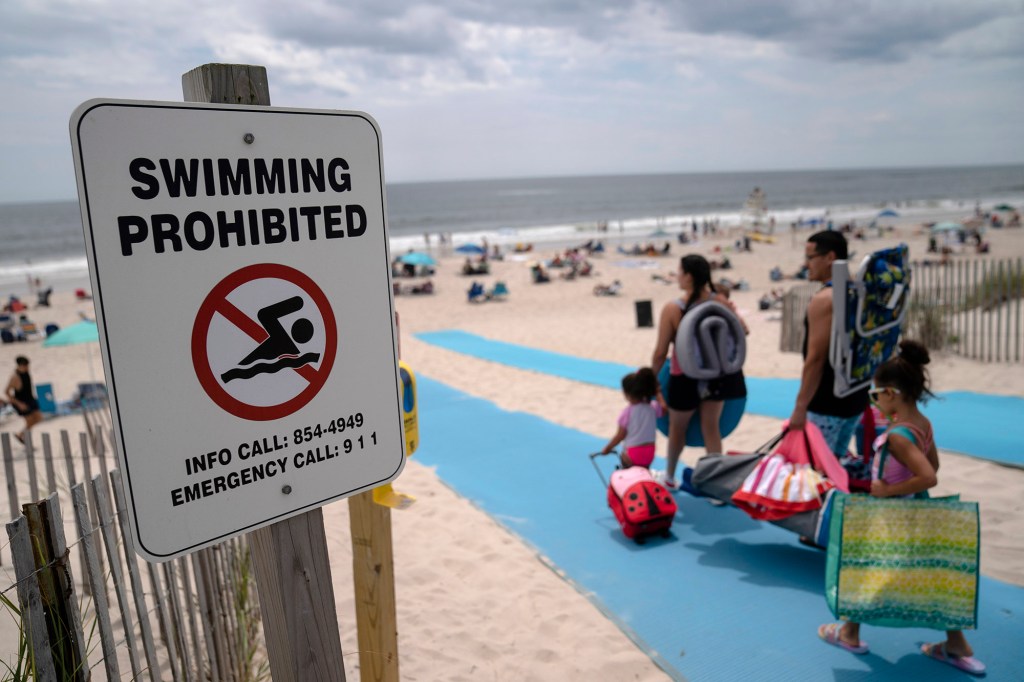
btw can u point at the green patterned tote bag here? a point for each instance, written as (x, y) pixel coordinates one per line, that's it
(901, 562)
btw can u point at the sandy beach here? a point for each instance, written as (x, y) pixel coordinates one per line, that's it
(469, 592)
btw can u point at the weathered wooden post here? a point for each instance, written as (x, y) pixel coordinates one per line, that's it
(293, 570)
(60, 604)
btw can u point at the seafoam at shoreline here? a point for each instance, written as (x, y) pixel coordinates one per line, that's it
(71, 272)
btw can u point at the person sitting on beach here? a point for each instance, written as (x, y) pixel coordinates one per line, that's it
(638, 423)
(686, 395)
(27, 329)
(539, 274)
(14, 305)
(612, 289)
(481, 268)
(900, 384)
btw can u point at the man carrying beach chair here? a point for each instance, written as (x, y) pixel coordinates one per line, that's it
(816, 401)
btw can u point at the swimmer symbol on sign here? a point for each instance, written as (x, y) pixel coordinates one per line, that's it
(294, 333)
(279, 348)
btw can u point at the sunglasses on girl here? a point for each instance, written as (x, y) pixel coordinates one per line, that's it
(875, 392)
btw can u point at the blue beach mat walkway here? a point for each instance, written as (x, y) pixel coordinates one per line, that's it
(725, 598)
(975, 424)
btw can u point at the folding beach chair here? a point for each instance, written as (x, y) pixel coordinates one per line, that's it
(868, 311)
(499, 292)
(476, 292)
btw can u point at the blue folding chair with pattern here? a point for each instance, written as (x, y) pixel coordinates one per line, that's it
(869, 308)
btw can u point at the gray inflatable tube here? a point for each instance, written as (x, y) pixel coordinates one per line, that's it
(710, 342)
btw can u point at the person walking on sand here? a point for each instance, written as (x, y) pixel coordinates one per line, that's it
(909, 470)
(815, 401)
(685, 394)
(638, 423)
(22, 397)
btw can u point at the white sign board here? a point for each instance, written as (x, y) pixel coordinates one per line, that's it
(240, 269)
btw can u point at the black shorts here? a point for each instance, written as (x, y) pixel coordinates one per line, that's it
(685, 393)
(31, 405)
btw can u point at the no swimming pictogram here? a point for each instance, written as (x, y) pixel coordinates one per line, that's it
(264, 341)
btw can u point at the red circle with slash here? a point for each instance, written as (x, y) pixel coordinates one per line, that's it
(217, 304)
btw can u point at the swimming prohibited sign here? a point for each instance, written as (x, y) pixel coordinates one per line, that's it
(241, 277)
(264, 342)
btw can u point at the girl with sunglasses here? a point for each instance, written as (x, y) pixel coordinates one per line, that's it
(909, 470)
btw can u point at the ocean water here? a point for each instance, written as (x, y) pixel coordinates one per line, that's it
(45, 240)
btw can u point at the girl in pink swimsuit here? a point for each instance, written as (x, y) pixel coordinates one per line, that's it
(638, 423)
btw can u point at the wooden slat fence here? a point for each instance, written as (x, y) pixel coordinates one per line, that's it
(794, 307)
(971, 308)
(190, 619)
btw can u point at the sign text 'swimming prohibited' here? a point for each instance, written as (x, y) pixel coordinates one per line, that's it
(239, 263)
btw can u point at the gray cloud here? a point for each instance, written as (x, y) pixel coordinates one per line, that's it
(431, 29)
(856, 30)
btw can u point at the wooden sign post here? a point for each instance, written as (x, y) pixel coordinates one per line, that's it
(293, 570)
(373, 573)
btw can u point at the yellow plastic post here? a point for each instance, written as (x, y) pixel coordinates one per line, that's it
(386, 495)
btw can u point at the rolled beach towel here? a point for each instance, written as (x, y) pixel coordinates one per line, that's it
(710, 342)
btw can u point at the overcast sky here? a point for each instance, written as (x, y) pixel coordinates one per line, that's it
(474, 89)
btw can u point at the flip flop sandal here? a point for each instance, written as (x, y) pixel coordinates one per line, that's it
(968, 664)
(829, 633)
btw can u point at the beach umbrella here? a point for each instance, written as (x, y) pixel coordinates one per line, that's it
(81, 332)
(78, 333)
(1004, 207)
(470, 249)
(888, 213)
(946, 227)
(417, 258)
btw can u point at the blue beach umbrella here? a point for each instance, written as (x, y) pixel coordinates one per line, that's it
(470, 248)
(946, 227)
(888, 213)
(417, 258)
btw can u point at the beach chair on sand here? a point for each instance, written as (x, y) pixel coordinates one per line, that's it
(476, 293)
(499, 292)
(869, 307)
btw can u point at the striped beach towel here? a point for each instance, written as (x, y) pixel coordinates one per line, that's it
(900, 562)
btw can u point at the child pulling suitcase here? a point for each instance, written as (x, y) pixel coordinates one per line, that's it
(642, 506)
